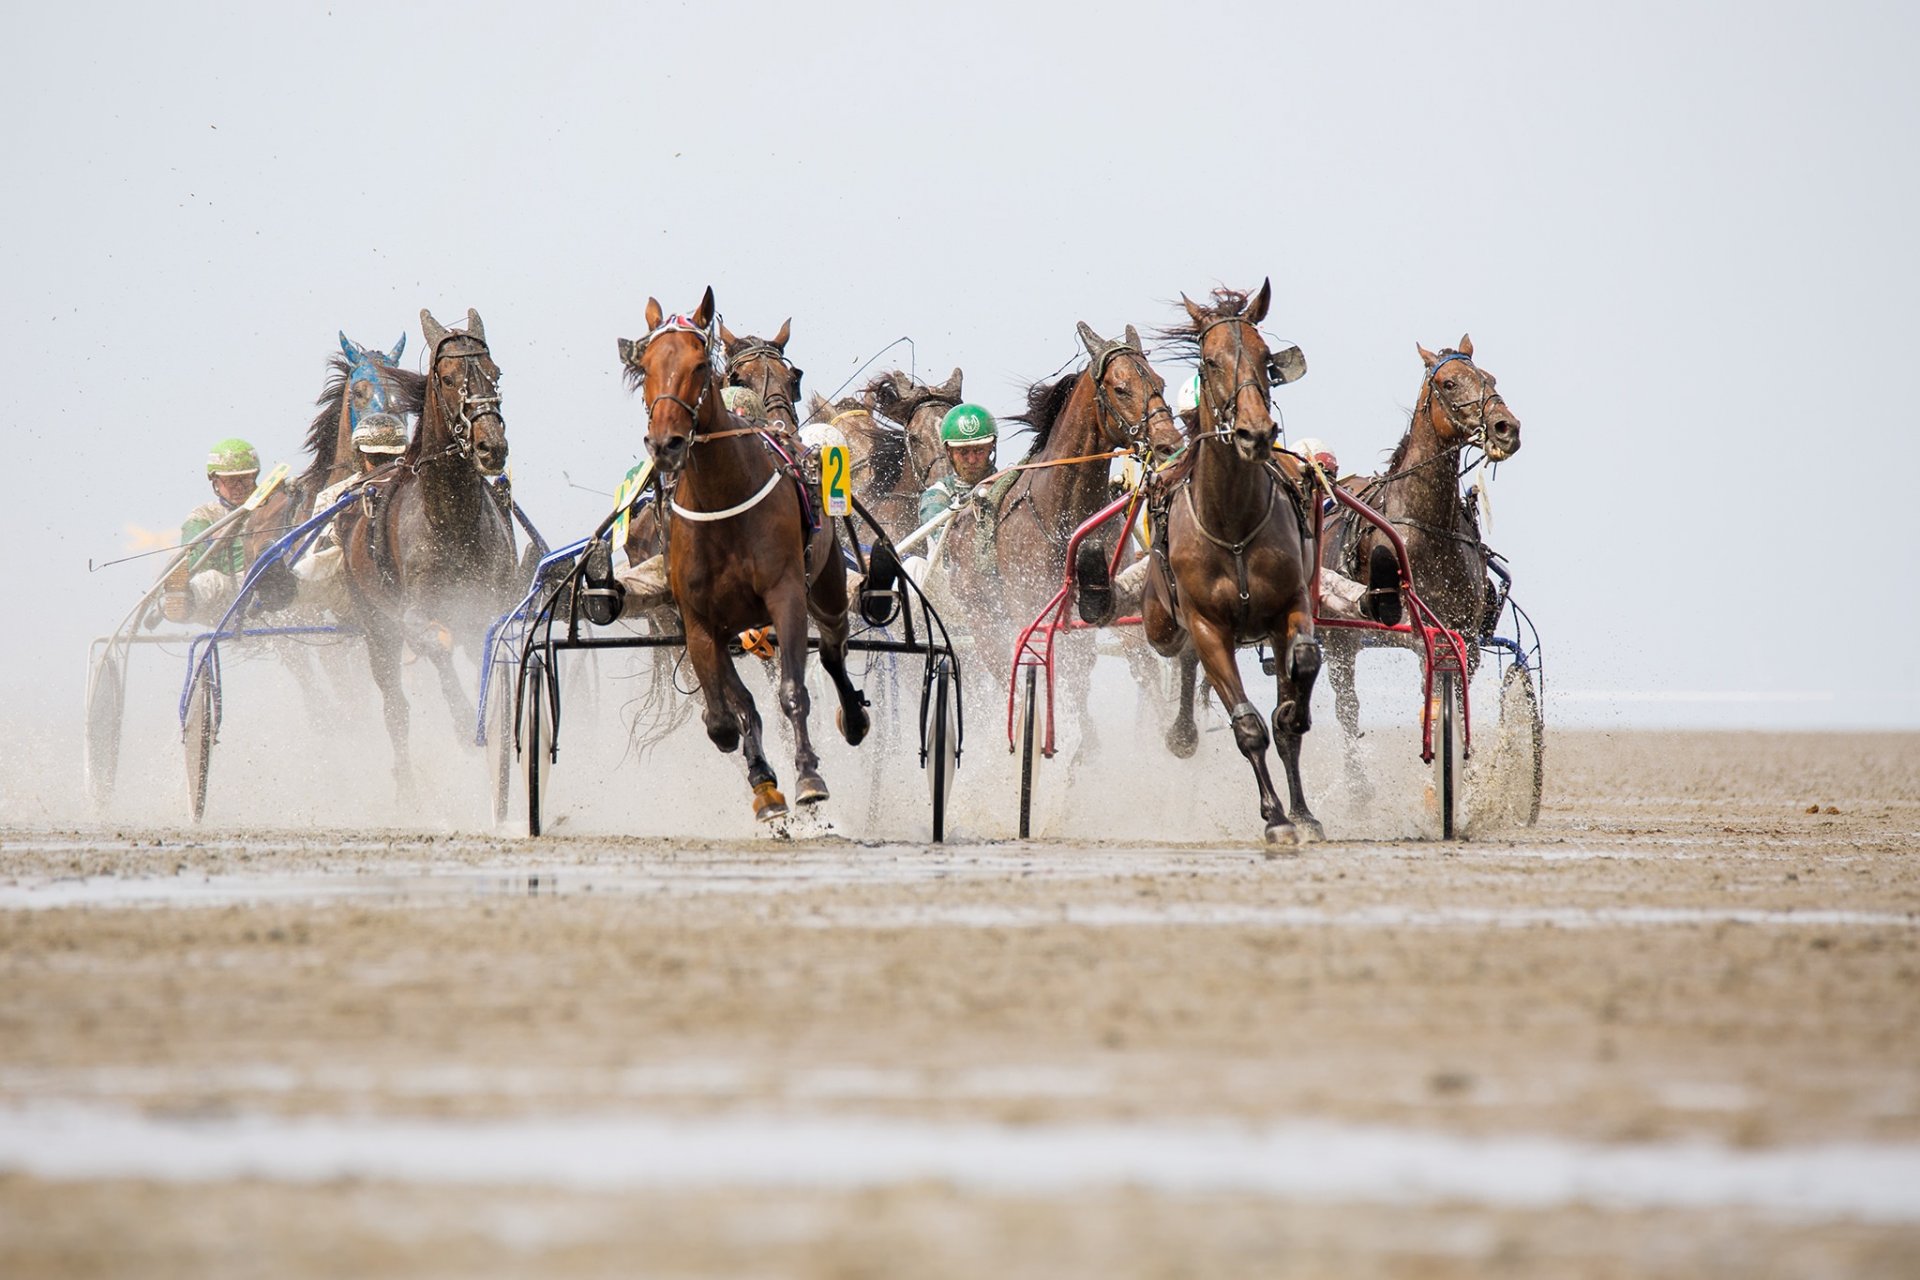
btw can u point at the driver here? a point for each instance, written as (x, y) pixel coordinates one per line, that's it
(202, 586)
(377, 440)
(971, 437)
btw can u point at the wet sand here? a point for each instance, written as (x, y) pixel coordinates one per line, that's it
(1671, 1030)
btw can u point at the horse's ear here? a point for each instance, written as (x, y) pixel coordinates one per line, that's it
(703, 314)
(474, 328)
(1257, 309)
(952, 385)
(817, 406)
(629, 352)
(1427, 357)
(726, 335)
(435, 331)
(1092, 341)
(393, 356)
(1194, 313)
(786, 331)
(654, 314)
(1133, 339)
(902, 384)
(346, 345)
(1466, 346)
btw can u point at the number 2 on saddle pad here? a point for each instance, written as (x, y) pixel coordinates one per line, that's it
(836, 480)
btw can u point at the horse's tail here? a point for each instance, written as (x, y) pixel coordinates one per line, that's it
(659, 705)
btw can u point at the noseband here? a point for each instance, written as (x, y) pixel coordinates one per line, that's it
(683, 324)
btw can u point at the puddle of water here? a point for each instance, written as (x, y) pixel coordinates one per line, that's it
(1878, 1183)
(1124, 915)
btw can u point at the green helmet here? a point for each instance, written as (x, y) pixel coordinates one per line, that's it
(232, 457)
(967, 424)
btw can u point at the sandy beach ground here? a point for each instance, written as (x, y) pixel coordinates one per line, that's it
(1672, 1030)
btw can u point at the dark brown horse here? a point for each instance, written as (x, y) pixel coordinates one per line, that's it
(742, 552)
(429, 557)
(761, 365)
(1458, 409)
(1233, 567)
(1003, 556)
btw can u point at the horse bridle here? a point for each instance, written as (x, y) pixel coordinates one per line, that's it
(1224, 426)
(469, 408)
(755, 349)
(1465, 433)
(1119, 431)
(681, 324)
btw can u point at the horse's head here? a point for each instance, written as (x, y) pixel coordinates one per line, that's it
(761, 365)
(1461, 403)
(673, 368)
(1131, 396)
(1237, 368)
(919, 408)
(367, 369)
(463, 394)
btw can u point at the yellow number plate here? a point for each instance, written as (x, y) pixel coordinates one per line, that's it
(836, 480)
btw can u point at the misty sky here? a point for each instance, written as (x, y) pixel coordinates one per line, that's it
(1683, 236)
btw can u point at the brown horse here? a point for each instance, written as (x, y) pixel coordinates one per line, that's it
(918, 407)
(429, 557)
(1003, 556)
(761, 365)
(1233, 567)
(742, 552)
(893, 426)
(1458, 409)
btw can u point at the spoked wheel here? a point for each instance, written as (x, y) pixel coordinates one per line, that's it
(1523, 732)
(106, 705)
(202, 725)
(943, 750)
(1029, 719)
(500, 737)
(534, 742)
(1446, 750)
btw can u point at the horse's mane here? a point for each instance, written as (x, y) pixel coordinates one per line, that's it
(1184, 339)
(1406, 437)
(408, 388)
(1046, 401)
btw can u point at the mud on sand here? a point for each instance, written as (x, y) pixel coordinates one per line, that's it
(1672, 1030)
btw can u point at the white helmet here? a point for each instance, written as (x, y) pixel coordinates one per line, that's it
(818, 435)
(1188, 400)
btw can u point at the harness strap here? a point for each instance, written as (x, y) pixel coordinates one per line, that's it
(703, 517)
(1237, 549)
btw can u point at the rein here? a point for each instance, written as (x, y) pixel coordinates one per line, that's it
(463, 422)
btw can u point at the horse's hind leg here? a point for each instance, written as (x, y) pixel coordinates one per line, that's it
(789, 611)
(853, 718)
(1342, 658)
(459, 705)
(1183, 736)
(1292, 716)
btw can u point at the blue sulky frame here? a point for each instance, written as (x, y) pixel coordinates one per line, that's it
(547, 621)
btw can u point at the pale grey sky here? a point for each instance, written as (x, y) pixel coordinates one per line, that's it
(1682, 236)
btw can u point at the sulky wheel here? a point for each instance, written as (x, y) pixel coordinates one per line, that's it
(106, 705)
(942, 755)
(1029, 720)
(534, 744)
(500, 736)
(201, 727)
(1446, 750)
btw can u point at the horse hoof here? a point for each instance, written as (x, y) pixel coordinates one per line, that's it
(768, 803)
(1311, 832)
(1183, 740)
(810, 789)
(1282, 837)
(859, 733)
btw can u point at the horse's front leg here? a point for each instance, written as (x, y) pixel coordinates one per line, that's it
(383, 654)
(731, 719)
(1214, 644)
(1169, 639)
(1292, 712)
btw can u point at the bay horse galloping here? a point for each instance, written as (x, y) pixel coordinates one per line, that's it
(1004, 554)
(1458, 409)
(1232, 568)
(743, 551)
(894, 428)
(429, 556)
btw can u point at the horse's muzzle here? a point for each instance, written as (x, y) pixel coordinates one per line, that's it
(1252, 446)
(491, 458)
(670, 454)
(1503, 438)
